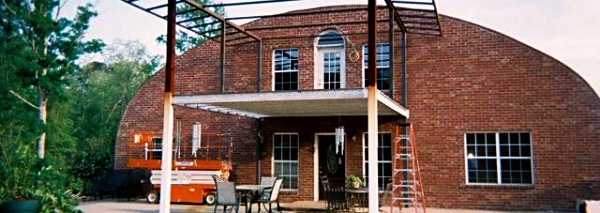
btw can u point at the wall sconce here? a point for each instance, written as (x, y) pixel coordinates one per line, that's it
(353, 135)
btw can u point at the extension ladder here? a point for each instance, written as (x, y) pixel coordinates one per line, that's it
(407, 185)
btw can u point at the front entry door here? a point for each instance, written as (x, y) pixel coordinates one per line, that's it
(331, 163)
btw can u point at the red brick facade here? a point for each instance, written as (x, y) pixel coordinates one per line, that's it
(472, 79)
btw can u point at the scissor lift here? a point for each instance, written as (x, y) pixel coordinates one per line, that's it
(195, 161)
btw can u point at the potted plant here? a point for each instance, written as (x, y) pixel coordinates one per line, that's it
(354, 181)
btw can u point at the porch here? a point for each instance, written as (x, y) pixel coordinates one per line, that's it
(110, 206)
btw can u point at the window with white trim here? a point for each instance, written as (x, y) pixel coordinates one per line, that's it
(384, 160)
(383, 65)
(499, 158)
(154, 152)
(285, 69)
(286, 159)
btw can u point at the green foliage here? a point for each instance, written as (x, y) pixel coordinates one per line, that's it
(102, 90)
(55, 188)
(25, 176)
(17, 171)
(185, 40)
(38, 50)
(355, 179)
(46, 46)
(99, 95)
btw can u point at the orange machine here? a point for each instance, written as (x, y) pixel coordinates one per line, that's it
(195, 159)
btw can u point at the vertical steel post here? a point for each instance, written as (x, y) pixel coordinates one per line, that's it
(223, 40)
(405, 69)
(372, 109)
(391, 42)
(260, 58)
(167, 149)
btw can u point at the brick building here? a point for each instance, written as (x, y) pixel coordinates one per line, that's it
(500, 125)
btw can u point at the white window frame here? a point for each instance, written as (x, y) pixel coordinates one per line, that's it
(365, 66)
(154, 151)
(275, 71)
(499, 158)
(320, 49)
(390, 161)
(274, 161)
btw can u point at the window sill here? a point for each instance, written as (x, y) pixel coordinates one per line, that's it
(499, 186)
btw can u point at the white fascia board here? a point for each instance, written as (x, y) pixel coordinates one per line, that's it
(225, 110)
(270, 96)
(384, 99)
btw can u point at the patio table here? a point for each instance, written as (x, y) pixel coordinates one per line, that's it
(251, 191)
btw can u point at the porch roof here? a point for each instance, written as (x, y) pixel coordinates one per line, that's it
(344, 102)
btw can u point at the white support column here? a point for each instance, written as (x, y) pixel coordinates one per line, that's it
(167, 143)
(373, 171)
(372, 109)
(167, 156)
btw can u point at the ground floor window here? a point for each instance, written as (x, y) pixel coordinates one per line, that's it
(499, 158)
(154, 150)
(285, 159)
(384, 160)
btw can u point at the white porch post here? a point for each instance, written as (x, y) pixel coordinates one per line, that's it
(167, 156)
(167, 143)
(372, 110)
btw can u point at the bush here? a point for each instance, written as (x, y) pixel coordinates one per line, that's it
(25, 176)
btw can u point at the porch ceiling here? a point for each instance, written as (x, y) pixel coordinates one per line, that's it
(345, 102)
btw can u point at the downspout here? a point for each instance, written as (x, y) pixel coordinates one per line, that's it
(259, 136)
(259, 142)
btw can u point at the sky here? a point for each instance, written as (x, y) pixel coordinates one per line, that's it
(564, 29)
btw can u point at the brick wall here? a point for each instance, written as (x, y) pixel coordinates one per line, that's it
(471, 79)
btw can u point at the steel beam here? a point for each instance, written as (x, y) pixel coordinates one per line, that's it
(390, 4)
(247, 3)
(217, 16)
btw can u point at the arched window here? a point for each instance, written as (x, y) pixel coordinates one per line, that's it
(331, 39)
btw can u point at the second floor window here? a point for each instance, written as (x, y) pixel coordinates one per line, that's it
(383, 65)
(285, 63)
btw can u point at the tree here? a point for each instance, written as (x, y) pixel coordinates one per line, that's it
(43, 48)
(100, 93)
(185, 40)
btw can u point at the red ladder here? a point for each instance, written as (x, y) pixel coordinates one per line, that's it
(407, 184)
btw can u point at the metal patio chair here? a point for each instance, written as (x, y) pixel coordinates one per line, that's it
(226, 196)
(269, 196)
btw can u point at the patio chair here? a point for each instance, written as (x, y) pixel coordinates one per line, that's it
(269, 196)
(335, 196)
(265, 180)
(226, 196)
(217, 178)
